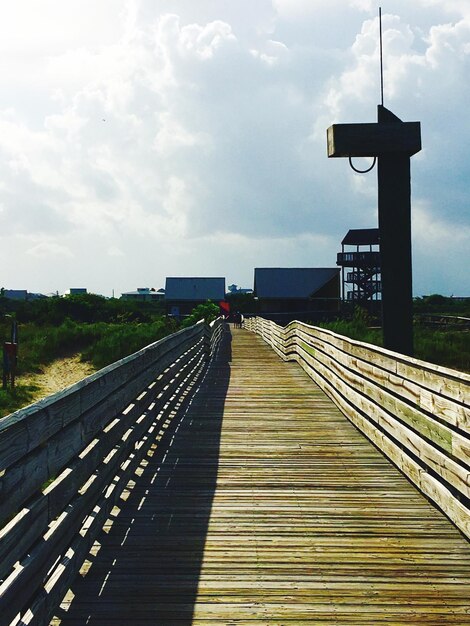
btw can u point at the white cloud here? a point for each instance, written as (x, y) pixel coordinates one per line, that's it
(191, 136)
(32, 29)
(172, 135)
(48, 249)
(436, 235)
(204, 41)
(114, 251)
(274, 52)
(441, 253)
(449, 45)
(302, 9)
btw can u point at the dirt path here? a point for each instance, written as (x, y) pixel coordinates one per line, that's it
(57, 376)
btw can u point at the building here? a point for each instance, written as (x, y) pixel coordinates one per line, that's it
(15, 294)
(20, 294)
(360, 255)
(144, 294)
(76, 291)
(303, 293)
(183, 294)
(236, 290)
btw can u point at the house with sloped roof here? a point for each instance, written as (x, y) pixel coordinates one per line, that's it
(287, 293)
(144, 294)
(20, 294)
(15, 294)
(76, 291)
(182, 294)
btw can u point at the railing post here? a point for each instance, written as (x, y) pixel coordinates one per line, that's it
(207, 342)
(10, 352)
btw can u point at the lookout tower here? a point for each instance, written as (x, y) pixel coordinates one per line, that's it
(360, 265)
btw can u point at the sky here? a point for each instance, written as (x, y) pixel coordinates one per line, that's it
(143, 139)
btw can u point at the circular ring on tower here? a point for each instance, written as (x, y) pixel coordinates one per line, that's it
(362, 171)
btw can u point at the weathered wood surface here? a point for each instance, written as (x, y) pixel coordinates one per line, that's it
(38, 441)
(417, 413)
(266, 506)
(121, 412)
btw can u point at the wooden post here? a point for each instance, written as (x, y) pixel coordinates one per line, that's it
(392, 142)
(5, 368)
(10, 351)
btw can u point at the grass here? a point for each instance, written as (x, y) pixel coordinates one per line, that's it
(11, 400)
(355, 329)
(120, 340)
(450, 348)
(99, 343)
(40, 345)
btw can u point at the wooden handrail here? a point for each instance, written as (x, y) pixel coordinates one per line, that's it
(416, 413)
(65, 460)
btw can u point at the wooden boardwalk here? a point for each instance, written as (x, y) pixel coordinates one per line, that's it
(266, 506)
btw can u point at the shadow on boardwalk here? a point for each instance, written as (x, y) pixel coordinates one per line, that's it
(148, 565)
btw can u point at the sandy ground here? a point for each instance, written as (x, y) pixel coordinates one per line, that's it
(57, 376)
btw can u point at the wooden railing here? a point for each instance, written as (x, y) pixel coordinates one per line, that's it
(65, 461)
(416, 413)
(445, 321)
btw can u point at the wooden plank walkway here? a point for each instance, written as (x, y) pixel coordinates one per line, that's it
(268, 507)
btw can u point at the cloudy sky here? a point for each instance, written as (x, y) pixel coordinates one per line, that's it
(143, 139)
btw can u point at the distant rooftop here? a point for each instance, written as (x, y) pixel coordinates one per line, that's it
(362, 237)
(143, 292)
(195, 288)
(234, 289)
(15, 294)
(291, 282)
(21, 294)
(77, 291)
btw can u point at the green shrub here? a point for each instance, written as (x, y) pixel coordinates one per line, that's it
(89, 308)
(358, 328)
(100, 343)
(450, 348)
(436, 304)
(209, 311)
(40, 345)
(120, 340)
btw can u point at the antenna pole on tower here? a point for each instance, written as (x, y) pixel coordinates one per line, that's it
(381, 59)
